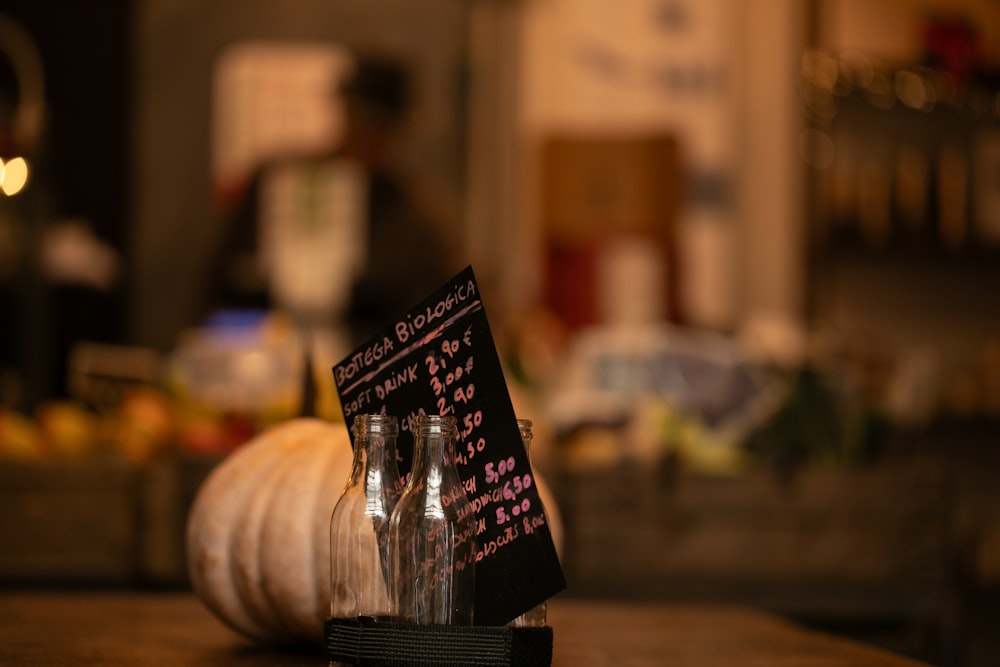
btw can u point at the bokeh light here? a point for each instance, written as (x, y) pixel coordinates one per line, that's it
(13, 175)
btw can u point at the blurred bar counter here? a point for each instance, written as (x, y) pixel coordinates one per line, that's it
(903, 553)
(121, 629)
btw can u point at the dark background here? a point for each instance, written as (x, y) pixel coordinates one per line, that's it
(81, 171)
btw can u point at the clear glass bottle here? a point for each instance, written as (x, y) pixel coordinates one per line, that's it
(537, 616)
(432, 535)
(359, 526)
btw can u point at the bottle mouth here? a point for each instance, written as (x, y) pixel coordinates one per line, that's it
(435, 424)
(386, 425)
(524, 426)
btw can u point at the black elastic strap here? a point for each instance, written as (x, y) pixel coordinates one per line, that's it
(371, 642)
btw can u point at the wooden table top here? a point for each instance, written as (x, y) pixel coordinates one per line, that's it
(128, 628)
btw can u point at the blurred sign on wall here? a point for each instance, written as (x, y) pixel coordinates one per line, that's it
(642, 67)
(273, 99)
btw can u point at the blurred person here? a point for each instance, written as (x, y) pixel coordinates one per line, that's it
(409, 252)
(405, 252)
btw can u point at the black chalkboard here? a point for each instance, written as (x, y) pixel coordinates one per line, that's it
(440, 358)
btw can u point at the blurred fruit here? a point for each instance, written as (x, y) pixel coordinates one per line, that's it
(67, 429)
(144, 424)
(19, 438)
(201, 430)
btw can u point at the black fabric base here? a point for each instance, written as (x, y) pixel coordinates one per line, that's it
(386, 642)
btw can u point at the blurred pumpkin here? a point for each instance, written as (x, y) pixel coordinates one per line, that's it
(258, 545)
(257, 535)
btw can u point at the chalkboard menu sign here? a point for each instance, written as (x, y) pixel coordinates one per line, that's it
(440, 358)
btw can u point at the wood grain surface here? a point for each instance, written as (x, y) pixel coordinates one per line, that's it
(128, 628)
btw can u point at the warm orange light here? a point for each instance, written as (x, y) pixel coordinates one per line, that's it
(13, 175)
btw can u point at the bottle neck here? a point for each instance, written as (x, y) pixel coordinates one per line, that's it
(374, 466)
(434, 453)
(524, 426)
(371, 463)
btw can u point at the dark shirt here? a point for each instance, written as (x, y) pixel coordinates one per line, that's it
(409, 256)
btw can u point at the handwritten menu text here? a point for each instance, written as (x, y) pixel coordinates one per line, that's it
(440, 358)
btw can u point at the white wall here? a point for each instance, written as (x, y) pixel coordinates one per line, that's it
(773, 223)
(606, 67)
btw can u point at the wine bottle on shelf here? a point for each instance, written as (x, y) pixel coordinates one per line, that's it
(952, 197)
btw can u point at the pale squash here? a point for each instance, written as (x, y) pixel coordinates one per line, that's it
(257, 537)
(258, 532)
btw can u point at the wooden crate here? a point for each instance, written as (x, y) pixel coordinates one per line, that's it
(168, 491)
(97, 521)
(69, 521)
(866, 539)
